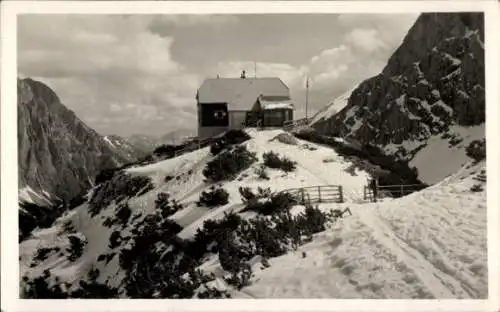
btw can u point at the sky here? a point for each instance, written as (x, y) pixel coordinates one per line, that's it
(138, 74)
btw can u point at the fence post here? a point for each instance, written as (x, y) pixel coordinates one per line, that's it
(402, 190)
(319, 193)
(341, 194)
(303, 198)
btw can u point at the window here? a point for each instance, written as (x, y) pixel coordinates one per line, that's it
(214, 115)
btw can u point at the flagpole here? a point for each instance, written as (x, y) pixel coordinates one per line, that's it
(307, 94)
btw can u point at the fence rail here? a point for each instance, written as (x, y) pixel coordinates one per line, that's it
(293, 124)
(318, 194)
(193, 147)
(398, 190)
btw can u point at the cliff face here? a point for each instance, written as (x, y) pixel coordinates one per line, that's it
(58, 154)
(431, 85)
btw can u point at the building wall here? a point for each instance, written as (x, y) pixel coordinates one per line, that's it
(276, 117)
(237, 119)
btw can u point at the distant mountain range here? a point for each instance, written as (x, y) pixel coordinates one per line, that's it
(147, 143)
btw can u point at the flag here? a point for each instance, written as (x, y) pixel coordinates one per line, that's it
(307, 82)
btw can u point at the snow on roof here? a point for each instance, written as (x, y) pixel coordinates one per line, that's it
(276, 104)
(240, 93)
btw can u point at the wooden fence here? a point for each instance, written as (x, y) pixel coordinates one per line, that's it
(194, 146)
(318, 194)
(290, 125)
(398, 190)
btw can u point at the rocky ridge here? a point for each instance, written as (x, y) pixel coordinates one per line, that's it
(431, 85)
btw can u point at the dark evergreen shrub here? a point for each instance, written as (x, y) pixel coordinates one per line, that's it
(166, 207)
(114, 240)
(215, 197)
(477, 150)
(118, 188)
(228, 164)
(273, 160)
(76, 248)
(124, 213)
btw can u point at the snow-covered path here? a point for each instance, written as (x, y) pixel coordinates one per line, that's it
(431, 244)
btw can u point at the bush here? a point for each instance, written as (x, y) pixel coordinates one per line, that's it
(477, 150)
(166, 207)
(217, 147)
(273, 160)
(124, 213)
(38, 288)
(122, 186)
(43, 253)
(476, 188)
(266, 203)
(114, 240)
(228, 164)
(261, 173)
(217, 196)
(76, 248)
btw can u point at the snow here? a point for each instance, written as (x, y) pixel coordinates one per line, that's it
(454, 61)
(277, 105)
(334, 107)
(437, 160)
(109, 141)
(28, 195)
(431, 244)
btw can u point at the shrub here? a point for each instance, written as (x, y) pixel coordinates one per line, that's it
(168, 151)
(261, 172)
(118, 188)
(38, 288)
(266, 203)
(105, 175)
(217, 147)
(476, 188)
(228, 164)
(476, 150)
(124, 213)
(273, 160)
(94, 290)
(217, 196)
(76, 248)
(114, 240)
(166, 207)
(42, 253)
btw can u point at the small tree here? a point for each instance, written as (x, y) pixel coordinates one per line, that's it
(217, 196)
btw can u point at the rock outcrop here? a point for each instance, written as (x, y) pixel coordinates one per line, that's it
(433, 82)
(58, 154)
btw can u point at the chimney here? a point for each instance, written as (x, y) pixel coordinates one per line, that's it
(243, 74)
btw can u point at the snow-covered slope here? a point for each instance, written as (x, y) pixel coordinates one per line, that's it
(431, 244)
(123, 148)
(416, 246)
(332, 108)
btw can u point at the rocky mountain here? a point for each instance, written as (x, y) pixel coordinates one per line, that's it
(59, 155)
(142, 142)
(428, 101)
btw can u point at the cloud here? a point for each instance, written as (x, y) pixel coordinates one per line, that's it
(166, 25)
(366, 39)
(126, 74)
(98, 70)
